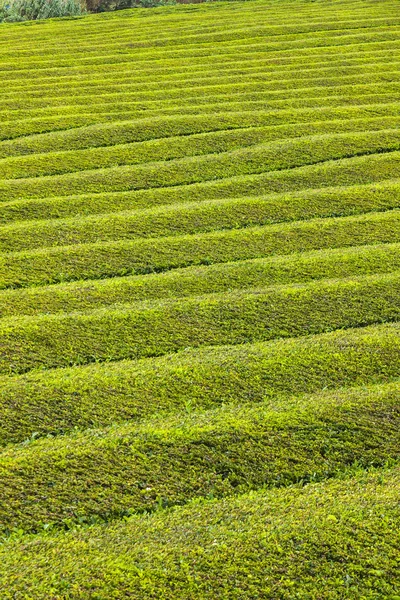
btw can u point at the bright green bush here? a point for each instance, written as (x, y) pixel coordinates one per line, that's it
(199, 263)
(193, 281)
(38, 120)
(175, 147)
(201, 217)
(276, 156)
(280, 124)
(141, 88)
(299, 182)
(125, 257)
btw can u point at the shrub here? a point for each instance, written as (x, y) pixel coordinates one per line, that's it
(168, 326)
(107, 5)
(299, 542)
(29, 10)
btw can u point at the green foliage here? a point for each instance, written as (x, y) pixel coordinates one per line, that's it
(192, 281)
(154, 3)
(333, 540)
(198, 217)
(166, 326)
(126, 257)
(29, 10)
(275, 124)
(200, 283)
(350, 172)
(171, 147)
(59, 400)
(107, 5)
(184, 171)
(111, 473)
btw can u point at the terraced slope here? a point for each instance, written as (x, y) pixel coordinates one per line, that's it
(200, 303)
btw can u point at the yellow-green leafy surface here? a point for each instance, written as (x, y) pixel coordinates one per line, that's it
(200, 302)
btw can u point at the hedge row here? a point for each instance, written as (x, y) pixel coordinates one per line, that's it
(192, 281)
(228, 39)
(246, 60)
(106, 41)
(278, 155)
(37, 125)
(220, 40)
(295, 184)
(240, 33)
(128, 469)
(270, 89)
(345, 172)
(99, 54)
(46, 62)
(147, 129)
(199, 217)
(323, 540)
(142, 84)
(243, 26)
(169, 71)
(180, 147)
(166, 326)
(108, 259)
(97, 395)
(108, 107)
(386, 81)
(249, 30)
(306, 20)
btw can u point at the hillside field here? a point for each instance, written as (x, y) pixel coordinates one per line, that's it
(200, 303)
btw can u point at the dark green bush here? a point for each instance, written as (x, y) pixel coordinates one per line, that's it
(107, 5)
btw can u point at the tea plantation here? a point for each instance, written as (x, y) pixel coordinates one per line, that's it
(200, 303)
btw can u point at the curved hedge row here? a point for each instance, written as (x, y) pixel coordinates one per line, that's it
(97, 395)
(109, 259)
(202, 217)
(192, 281)
(125, 470)
(197, 550)
(165, 326)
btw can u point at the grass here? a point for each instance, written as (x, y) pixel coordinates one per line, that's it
(199, 303)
